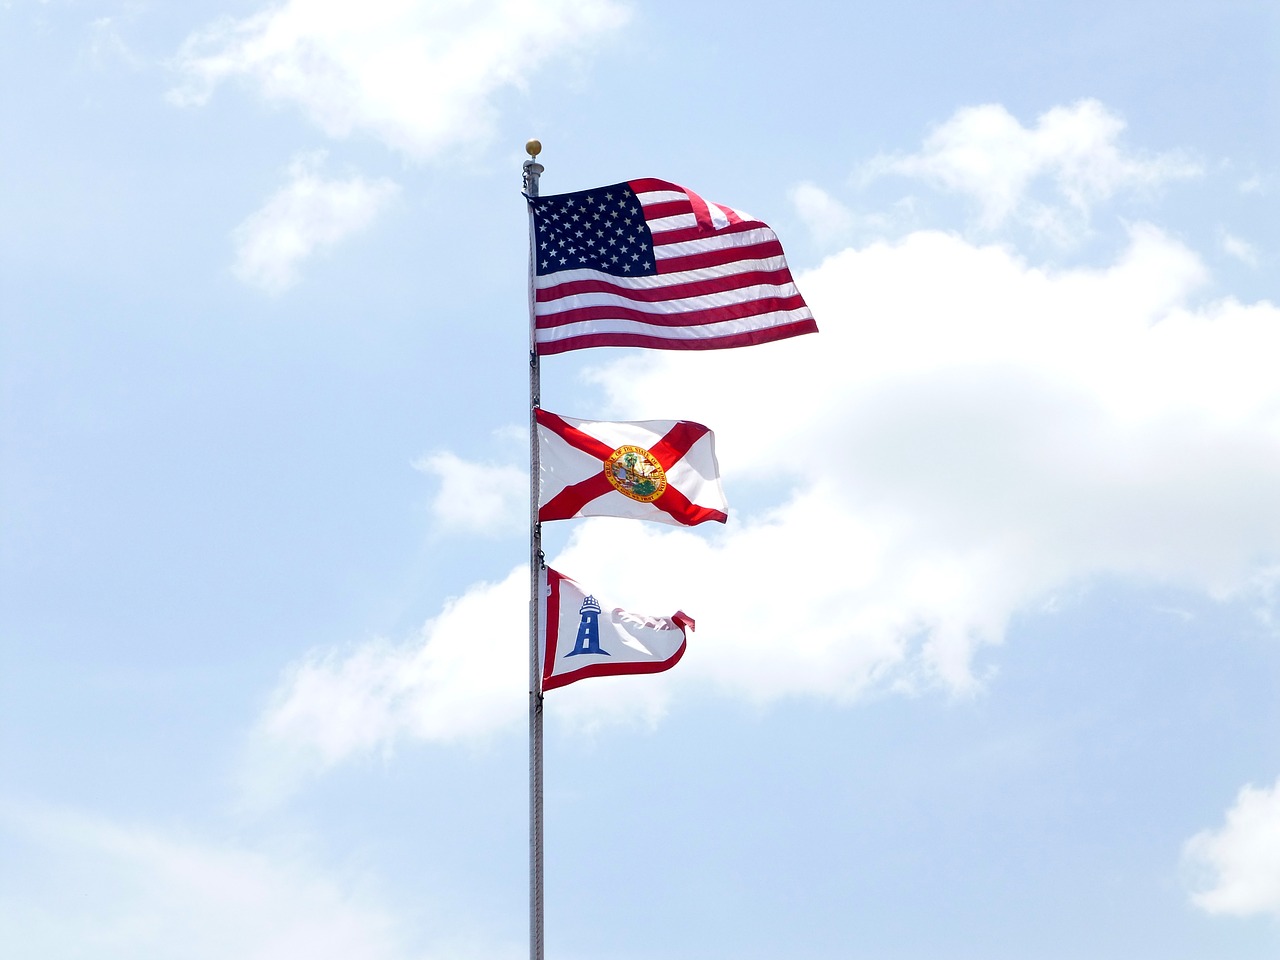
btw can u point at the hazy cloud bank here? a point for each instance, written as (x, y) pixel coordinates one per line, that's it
(308, 215)
(969, 435)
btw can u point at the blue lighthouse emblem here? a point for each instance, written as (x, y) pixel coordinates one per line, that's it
(588, 630)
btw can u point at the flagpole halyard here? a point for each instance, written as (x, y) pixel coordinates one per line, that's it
(532, 171)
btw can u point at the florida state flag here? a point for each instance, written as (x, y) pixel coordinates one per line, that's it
(583, 638)
(662, 470)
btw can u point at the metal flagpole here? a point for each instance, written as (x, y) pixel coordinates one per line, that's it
(533, 170)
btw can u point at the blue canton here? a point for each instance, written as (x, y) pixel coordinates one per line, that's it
(601, 229)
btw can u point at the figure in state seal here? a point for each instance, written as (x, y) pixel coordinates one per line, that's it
(636, 473)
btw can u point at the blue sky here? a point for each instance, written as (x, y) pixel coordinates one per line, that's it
(987, 662)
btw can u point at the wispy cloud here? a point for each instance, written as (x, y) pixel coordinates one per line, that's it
(419, 77)
(1242, 250)
(482, 498)
(826, 217)
(307, 215)
(986, 154)
(958, 451)
(463, 678)
(114, 891)
(1238, 864)
(969, 435)
(106, 45)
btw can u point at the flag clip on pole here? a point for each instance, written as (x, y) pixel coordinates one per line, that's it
(532, 171)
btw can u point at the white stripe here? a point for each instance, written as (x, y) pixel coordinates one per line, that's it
(651, 197)
(683, 305)
(658, 280)
(681, 221)
(719, 219)
(722, 241)
(724, 328)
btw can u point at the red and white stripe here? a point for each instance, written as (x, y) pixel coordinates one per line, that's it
(722, 281)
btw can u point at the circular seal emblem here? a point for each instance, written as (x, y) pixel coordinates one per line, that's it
(636, 473)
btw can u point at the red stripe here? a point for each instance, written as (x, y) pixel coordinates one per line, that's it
(686, 318)
(650, 184)
(675, 291)
(734, 218)
(666, 208)
(652, 342)
(701, 212)
(684, 234)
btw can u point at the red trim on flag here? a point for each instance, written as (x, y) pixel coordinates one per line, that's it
(551, 628)
(616, 669)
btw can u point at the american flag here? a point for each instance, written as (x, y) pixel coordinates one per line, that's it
(647, 263)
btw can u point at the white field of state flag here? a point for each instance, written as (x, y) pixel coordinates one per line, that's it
(583, 637)
(663, 470)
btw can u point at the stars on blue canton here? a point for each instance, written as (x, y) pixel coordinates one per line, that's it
(600, 229)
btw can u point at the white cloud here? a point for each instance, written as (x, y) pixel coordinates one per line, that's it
(101, 889)
(107, 45)
(957, 451)
(307, 215)
(418, 76)
(1239, 863)
(482, 498)
(985, 153)
(466, 676)
(969, 436)
(825, 216)
(1242, 250)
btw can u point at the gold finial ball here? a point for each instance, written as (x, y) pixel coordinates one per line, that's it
(533, 147)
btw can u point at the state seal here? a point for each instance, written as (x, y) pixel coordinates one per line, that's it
(636, 473)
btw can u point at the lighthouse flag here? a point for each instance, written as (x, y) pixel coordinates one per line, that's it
(585, 638)
(662, 470)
